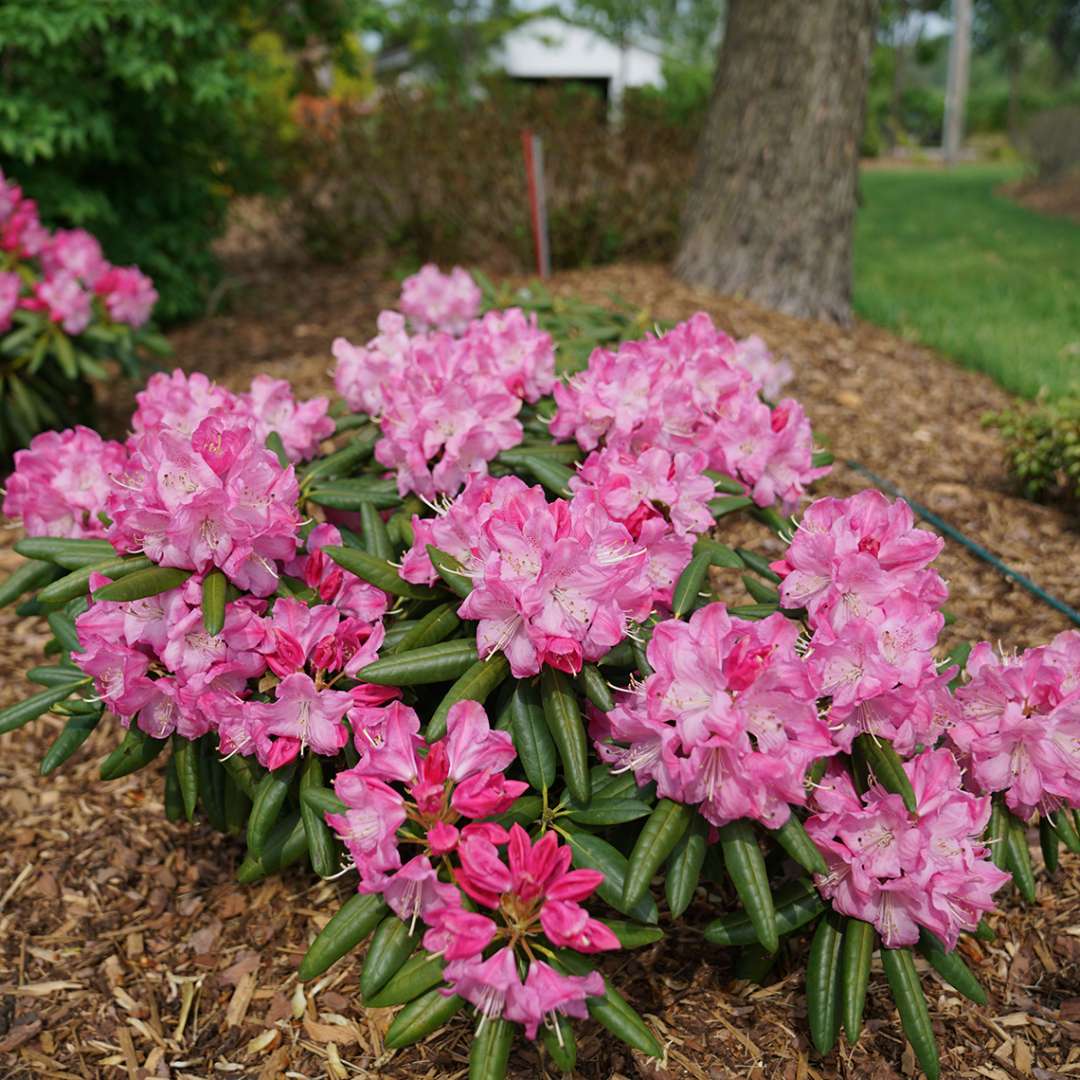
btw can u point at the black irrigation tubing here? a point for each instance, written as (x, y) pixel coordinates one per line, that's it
(975, 548)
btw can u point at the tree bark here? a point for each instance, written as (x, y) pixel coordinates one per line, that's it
(772, 206)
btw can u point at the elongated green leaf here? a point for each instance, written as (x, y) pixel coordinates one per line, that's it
(285, 845)
(321, 799)
(320, 842)
(489, 1053)
(823, 982)
(135, 752)
(377, 572)
(597, 854)
(793, 838)
(438, 663)
(683, 869)
(610, 812)
(1018, 859)
(213, 602)
(475, 684)
(746, 867)
(689, 586)
(658, 837)
(951, 967)
(860, 940)
(563, 716)
(22, 712)
(416, 976)
(796, 903)
(266, 808)
(143, 583)
(532, 739)
(914, 1015)
(1050, 842)
(28, 577)
(717, 553)
(437, 625)
(451, 571)
(76, 731)
(560, 1043)
(373, 530)
(421, 1017)
(886, 766)
(594, 686)
(391, 946)
(78, 581)
(185, 761)
(350, 925)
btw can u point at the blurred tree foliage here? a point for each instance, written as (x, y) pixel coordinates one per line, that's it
(137, 119)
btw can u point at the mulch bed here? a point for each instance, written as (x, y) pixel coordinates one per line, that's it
(126, 949)
(1059, 197)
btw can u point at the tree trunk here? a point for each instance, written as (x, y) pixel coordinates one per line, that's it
(771, 209)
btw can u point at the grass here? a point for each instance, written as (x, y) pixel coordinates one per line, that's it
(943, 260)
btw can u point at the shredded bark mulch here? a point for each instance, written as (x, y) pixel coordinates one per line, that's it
(126, 949)
(1059, 197)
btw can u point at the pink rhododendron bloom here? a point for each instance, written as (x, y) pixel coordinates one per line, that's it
(65, 300)
(1019, 724)
(179, 402)
(301, 425)
(770, 374)
(901, 871)
(662, 499)
(444, 419)
(547, 992)
(61, 483)
(129, 295)
(553, 583)
(22, 232)
(362, 371)
(727, 721)
(433, 300)
(686, 391)
(302, 715)
(509, 345)
(214, 498)
(10, 287)
(76, 252)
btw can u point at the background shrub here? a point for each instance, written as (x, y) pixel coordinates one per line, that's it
(444, 181)
(1042, 447)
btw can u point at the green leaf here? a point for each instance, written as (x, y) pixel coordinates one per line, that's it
(267, 805)
(78, 582)
(283, 847)
(320, 842)
(793, 838)
(823, 983)
(860, 940)
(594, 686)
(185, 760)
(532, 739)
(796, 903)
(657, 839)
(746, 867)
(563, 716)
(718, 554)
(135, 752)
(437, 625)
(22, 712)
(951, 967)
(595, 853)
(451, 571)
(28, 577)
(914, 1015)
(143, 583)
(421, 1017)
(689, 586)
(373, 530)
(213, 602)
(349, 926)
(475, 684)
(431, 664)
(489, 1053)
(274, 443)
(1017, 857)
(416, 976)
(391, 946)
(76, 731)
(683, 869)
(886, 766)
(559, 1042)
(377, 572)
(610, 812)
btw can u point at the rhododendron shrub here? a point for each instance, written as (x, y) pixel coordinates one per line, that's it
(63, 310)
(456, 640)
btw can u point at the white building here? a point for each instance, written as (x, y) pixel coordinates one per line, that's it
(549, 49)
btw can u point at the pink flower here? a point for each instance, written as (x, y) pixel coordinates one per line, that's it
(301, 425)
(66, 301)
(361, 372)
(727, 720)
(10, 287)
(554, 583)
(22, 233)
(547, 991)
(436, 301)
(61, 483)
(900, 871)
(509, 345)
(128, 293)
(771, 375)
(686, 391)
(76, 252)
(1019, 724)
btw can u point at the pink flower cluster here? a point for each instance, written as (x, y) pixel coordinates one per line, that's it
(899, 871)
(180, 402)
(216, 497)
(687, 391)
(433, 300)
(61, 483)
(770, 374)
(1019, 724)
(446, 405)
(154, 663)
(662, 499)
(499, 892)
(861, 570)
(72, 271)
(552, 582)
(726, 722)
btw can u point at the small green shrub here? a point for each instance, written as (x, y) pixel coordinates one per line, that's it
(1042, 447)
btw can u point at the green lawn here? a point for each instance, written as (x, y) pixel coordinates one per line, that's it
(942, 259)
